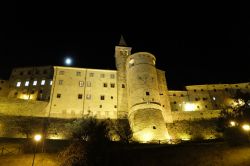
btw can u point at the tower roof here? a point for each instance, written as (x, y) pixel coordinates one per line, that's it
(122, 42)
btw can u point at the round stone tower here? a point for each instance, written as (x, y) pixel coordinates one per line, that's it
(144, 106)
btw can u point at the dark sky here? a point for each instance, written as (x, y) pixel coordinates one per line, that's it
(194, 43)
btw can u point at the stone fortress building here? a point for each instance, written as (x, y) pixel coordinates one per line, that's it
(136, 91)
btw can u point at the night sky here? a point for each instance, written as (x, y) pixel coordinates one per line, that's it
(194, 43)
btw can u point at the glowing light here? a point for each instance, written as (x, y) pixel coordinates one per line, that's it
(37, 137)
(246, 127)
(42, 82)
(147, 136)
(189, 107)
(27, 83)
(68, 61)
(241, 102)
(51, 82)
(214, 98)
(232, 123)
(34, 83)
(18, 84)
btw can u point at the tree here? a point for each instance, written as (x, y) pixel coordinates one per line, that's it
(122, 129)
(232, 118)
(90, 139)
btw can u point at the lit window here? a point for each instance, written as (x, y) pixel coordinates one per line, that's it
(105, 85)
(34, 83)
(91, 74)
(189, 107)
(60, 82)
(18, 84)
(112, 76)
(102, 75)
(51, 82)
(112, 85)
(88, 96)
(61, 72)
(43, 82)
(81, 84)
(78, 73)
(102, 97)
(27, 83)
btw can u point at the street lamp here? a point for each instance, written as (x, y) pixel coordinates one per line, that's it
(37, 138)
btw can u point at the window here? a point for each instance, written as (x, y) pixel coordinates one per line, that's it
(18, 84)
(206, 106)
(34, 83)
(91, 74)
(154, 127)
(131, 62)
(32, 91)
(21, 73)
(88, 96)
(81, 83)
(58, 95)
(112, 85)
(226, 89)
(100, 106)
(102, 97)
(41, 91)
(61, 72)
(147, 93)
(214, 90)
(182, 95)
(51, 82)
(123, 86)
(2, 82)
(115, 106)
(204, 98)
(194, 90)
(102, 75)
(202, 90)
(0, 88)
(88, 84)
(78, 73)
(29, 72)
(196, 99)
(112, 76)
(45, 72)
(37, 72)
(60, 82)
(105, 85)
(26, 83)
(174, 102)
(174, 94)
(79, 96)
(111, 97)
(43, 82)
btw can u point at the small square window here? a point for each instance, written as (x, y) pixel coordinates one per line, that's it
(102, 75)
(45, 72)
(79, 96)
(27, 83)
(81, 83)
(194, 90)
(112, 76)
(61, 72)
(18, 84)
(34, 83)
(88, 96)
(115, 106)
(60, 82)
(111, 97)
(102, 97)
(105, 85)
(91, 74)
(147, 93)
(112, 85)
(58, 95)
(88, 84)
(43, 82)
(123, 86)
(78, 73)
(21, 73)
(100, 106)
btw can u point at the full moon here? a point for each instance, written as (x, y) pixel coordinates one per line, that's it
(68, 61)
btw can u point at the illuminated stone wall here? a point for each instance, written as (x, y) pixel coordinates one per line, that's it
(78, 91)
(144, 101)
(193, 129)
(4, 88)
(121, 54)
